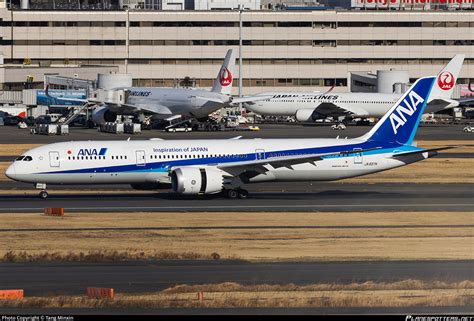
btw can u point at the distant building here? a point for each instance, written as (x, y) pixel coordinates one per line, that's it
(226, 4)
(130, 4)
(282, 50)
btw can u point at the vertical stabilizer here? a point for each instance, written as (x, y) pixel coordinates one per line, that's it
(446, 79)
(225, 77)
(400, 123)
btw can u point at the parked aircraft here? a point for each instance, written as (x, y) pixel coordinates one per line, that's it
(214, 166)
(308, 107)
(168, 103)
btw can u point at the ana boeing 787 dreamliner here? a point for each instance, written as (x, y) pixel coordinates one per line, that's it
(213, 166)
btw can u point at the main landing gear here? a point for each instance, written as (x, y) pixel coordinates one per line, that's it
(43, 194)
(236, 193)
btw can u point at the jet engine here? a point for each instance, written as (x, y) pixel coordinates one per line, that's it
(305, 115)
(193, 180)
(103, 115)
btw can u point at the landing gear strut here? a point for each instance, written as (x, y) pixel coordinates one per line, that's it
(236, 193)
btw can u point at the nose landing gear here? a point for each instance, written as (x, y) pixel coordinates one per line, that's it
(43, 194)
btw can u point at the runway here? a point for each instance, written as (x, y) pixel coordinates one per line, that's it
(281, 197)
(73, 278)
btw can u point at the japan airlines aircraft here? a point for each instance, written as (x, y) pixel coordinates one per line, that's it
(168, 103)
(308, 107)
(214, 166)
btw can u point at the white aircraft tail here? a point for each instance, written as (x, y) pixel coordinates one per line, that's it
(225, 77)
(446, 79)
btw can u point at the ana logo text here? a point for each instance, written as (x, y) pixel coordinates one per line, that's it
(397, 117)
(92, 152)
(446, 80)
(225, 77)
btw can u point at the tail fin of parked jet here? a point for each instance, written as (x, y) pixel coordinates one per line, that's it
(400, 123)
(446, 79)
(225, 77)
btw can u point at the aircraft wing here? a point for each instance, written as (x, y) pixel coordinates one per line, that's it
(438, 104)
(152, 109)
(258, 165)
(333, 109)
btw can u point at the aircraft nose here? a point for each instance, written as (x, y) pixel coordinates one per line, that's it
(11, 171)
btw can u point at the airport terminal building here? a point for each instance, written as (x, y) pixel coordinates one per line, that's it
(282, 50)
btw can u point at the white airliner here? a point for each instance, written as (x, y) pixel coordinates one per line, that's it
(213, 166)
(308, 107)
(167, 102)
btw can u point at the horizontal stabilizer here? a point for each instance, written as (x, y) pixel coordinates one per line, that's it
(249, 99)
(213, 99)
(431, 152)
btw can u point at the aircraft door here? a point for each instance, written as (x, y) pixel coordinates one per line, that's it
(54, 159)
(358, 156)
(140, 156)
(259, 154)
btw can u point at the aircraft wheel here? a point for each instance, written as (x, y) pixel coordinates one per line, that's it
(43, 194)
(232, 193)
(243, 194)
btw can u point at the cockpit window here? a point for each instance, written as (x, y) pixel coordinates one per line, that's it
(19, 158)
(27, 159)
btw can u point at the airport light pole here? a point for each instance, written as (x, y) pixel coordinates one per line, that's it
(241, 9)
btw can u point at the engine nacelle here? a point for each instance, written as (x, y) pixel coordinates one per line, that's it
(103, 115)
(305, 115)
(194, 180)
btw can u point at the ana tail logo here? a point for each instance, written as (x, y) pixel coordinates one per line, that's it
(446, 80)
(225, 77)
(406, 108)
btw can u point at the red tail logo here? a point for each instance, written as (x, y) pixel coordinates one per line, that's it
(446, 80)
(225, 77)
